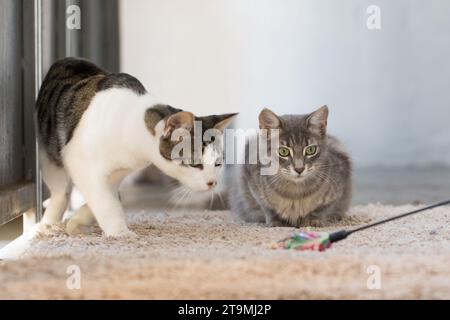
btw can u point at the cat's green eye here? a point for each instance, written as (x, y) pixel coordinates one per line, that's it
(311, 150)
(284, 152)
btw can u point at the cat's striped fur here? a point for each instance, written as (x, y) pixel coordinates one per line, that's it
(66, 92)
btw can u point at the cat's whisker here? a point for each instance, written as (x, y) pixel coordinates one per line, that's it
(212, 200)
(169, 204)
(273, 180)
(327, 179)
(221, 199)
(179, 196)
(336, 184)
(173, 184)
(175, 193)
(326, 165)
(183, 197)
(186, 195)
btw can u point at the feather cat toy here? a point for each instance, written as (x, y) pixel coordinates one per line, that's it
(320, 241)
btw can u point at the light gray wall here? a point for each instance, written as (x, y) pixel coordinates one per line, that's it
(388, 90)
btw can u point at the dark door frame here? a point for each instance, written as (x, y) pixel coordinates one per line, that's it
(40, 37)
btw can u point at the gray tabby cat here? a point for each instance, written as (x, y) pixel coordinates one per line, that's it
(96, 127)
(313, 183)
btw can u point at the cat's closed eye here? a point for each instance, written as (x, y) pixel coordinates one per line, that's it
(192, 163)
(198, 166)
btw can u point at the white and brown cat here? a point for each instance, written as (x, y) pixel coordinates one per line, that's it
(95, 128)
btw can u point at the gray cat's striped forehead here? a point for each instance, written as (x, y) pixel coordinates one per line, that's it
(296, 130)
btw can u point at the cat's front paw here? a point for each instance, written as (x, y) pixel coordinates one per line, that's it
(45, 228)
(276, 223)
(314, 222)
(125, 233)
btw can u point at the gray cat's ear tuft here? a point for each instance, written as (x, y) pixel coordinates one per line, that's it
(319, 119)
(269, 120)
(178, 120)
(227, 119)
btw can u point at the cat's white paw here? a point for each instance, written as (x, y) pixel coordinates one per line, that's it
(125, 233)
(44, 228)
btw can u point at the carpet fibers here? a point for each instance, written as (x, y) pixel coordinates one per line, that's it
(192, 254)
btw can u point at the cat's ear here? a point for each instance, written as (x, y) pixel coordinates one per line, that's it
(318, 120)
(182, 119)
(269, 120)
(224, 121)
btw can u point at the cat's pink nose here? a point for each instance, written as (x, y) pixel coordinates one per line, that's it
(299, 170)
(211, 184)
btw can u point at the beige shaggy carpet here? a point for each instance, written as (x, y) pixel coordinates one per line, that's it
(185, 254)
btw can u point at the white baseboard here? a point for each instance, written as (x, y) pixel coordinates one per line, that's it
(14, 249)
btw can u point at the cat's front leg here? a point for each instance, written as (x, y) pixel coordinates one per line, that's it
(83, 219)
(273, 219)
(102, 199)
